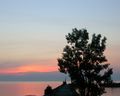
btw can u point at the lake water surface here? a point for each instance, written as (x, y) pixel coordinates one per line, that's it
(37, 88)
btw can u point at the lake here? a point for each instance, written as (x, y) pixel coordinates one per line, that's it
(37, 88)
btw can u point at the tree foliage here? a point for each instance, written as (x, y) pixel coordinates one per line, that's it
(85, 62)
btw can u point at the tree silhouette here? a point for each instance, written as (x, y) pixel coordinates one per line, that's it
(85, 62)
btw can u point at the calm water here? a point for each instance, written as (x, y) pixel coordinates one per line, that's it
(37, 88)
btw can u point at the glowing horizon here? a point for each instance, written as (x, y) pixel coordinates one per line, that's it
(51, 64)
(29, 68)
(45, 66)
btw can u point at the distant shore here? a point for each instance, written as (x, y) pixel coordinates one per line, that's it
(114, 84)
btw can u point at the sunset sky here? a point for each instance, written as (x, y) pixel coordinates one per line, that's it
(32, 32)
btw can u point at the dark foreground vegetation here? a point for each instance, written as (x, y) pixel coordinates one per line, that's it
(84, 61)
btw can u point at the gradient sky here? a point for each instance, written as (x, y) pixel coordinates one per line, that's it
(32, 32)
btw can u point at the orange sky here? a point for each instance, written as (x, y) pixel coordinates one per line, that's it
(30, 68)
(51, 64)
(47, 66)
